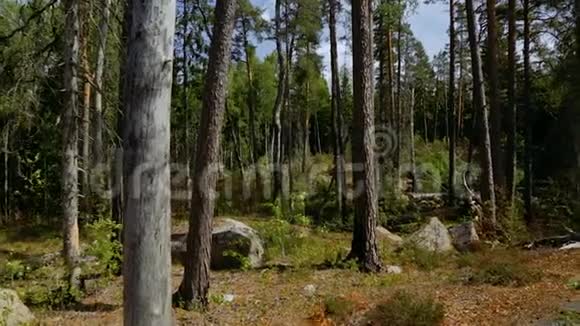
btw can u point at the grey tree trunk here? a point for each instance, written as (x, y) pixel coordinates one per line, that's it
(399, 113)
(528, 164)
(451, 106)
(70, 190)
(194, 287)
(364, 246)
(412, 140)
(147, 211)
(487, 186)
(188, 156)
(337, 123)
(276, 117)
(6, 192)
(494, 98)
(511, 157)
(98, 153)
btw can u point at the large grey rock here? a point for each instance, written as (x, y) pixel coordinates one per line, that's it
(12, 311)
(570, 246)
(234, 245)
(432, 237)
(385, 234)
(464, 236)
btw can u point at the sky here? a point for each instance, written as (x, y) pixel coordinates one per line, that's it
(429, 23)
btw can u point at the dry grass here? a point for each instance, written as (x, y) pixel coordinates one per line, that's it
(273, 297)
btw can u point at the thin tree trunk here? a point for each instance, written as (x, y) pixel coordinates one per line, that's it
(6, 175)
(412, 140)
(188, 145)
(487, 187)
(254, 155)
(399, 102)
(528, 164)
(337, 125)
(494, 98)
(194, 287)
(511, 102)
(87, 89)
(364, 246)
(276, 121)
(98, 153)
(451, 106)
(70, 169)
(117, 180)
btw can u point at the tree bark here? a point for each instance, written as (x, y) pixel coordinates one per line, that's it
(399, 113)
(364, 246)
(451, 106)
(337, 124)
(6, 193)
(252, 114)
(188, 156)
(511, 102)
(70, 142)
(494, 99)
(487, 187)
(412, 140)
(117, 180)
(194, 287)
(98, 153)
(276, 117)
(147, 211)
(87, 90)
(528, 164)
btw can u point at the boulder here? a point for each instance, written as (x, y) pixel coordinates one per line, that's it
(464, 236)
(384, 234)
(432, 237)
(570, 246)
(234, 245)
(12, 311)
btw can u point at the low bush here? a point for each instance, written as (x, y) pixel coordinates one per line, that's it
(497, 269)
(406, 309)
(105, 246)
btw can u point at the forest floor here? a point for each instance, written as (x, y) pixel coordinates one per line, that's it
(308, 294)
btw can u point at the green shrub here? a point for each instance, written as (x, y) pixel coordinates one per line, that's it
(338, 306)
(503, 273)
(423, 259)
(405, 309)
(105, 246)
(280, 238)
(52, 297)
(14, 270)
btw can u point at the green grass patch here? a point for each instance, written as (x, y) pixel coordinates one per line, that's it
(407, 309)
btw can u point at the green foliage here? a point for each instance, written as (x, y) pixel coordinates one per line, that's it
(57, 296)
(406, 309)
(421, 258)
(243, 261)
(568, 318)
(574, 284)
(338, 306)
(14, 270)
(281, 239)
(497, 269)
(105, 245)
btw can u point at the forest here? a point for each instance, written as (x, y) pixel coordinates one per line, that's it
(289, 162)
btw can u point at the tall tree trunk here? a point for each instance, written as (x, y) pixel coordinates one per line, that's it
(188, 145)
(6, 189)
(87, 90)
(487, 184)
(70, 191)
(412, 140)
(512, 109)
(364, 246)
(117, 180)
(494, 99)
(276, 117)
(306, 119)
(147, 211)
(254, 155)
(451, 106)
(195, 284)
(399, 109)
(337, 124)
(98, 153)
(528, 172)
